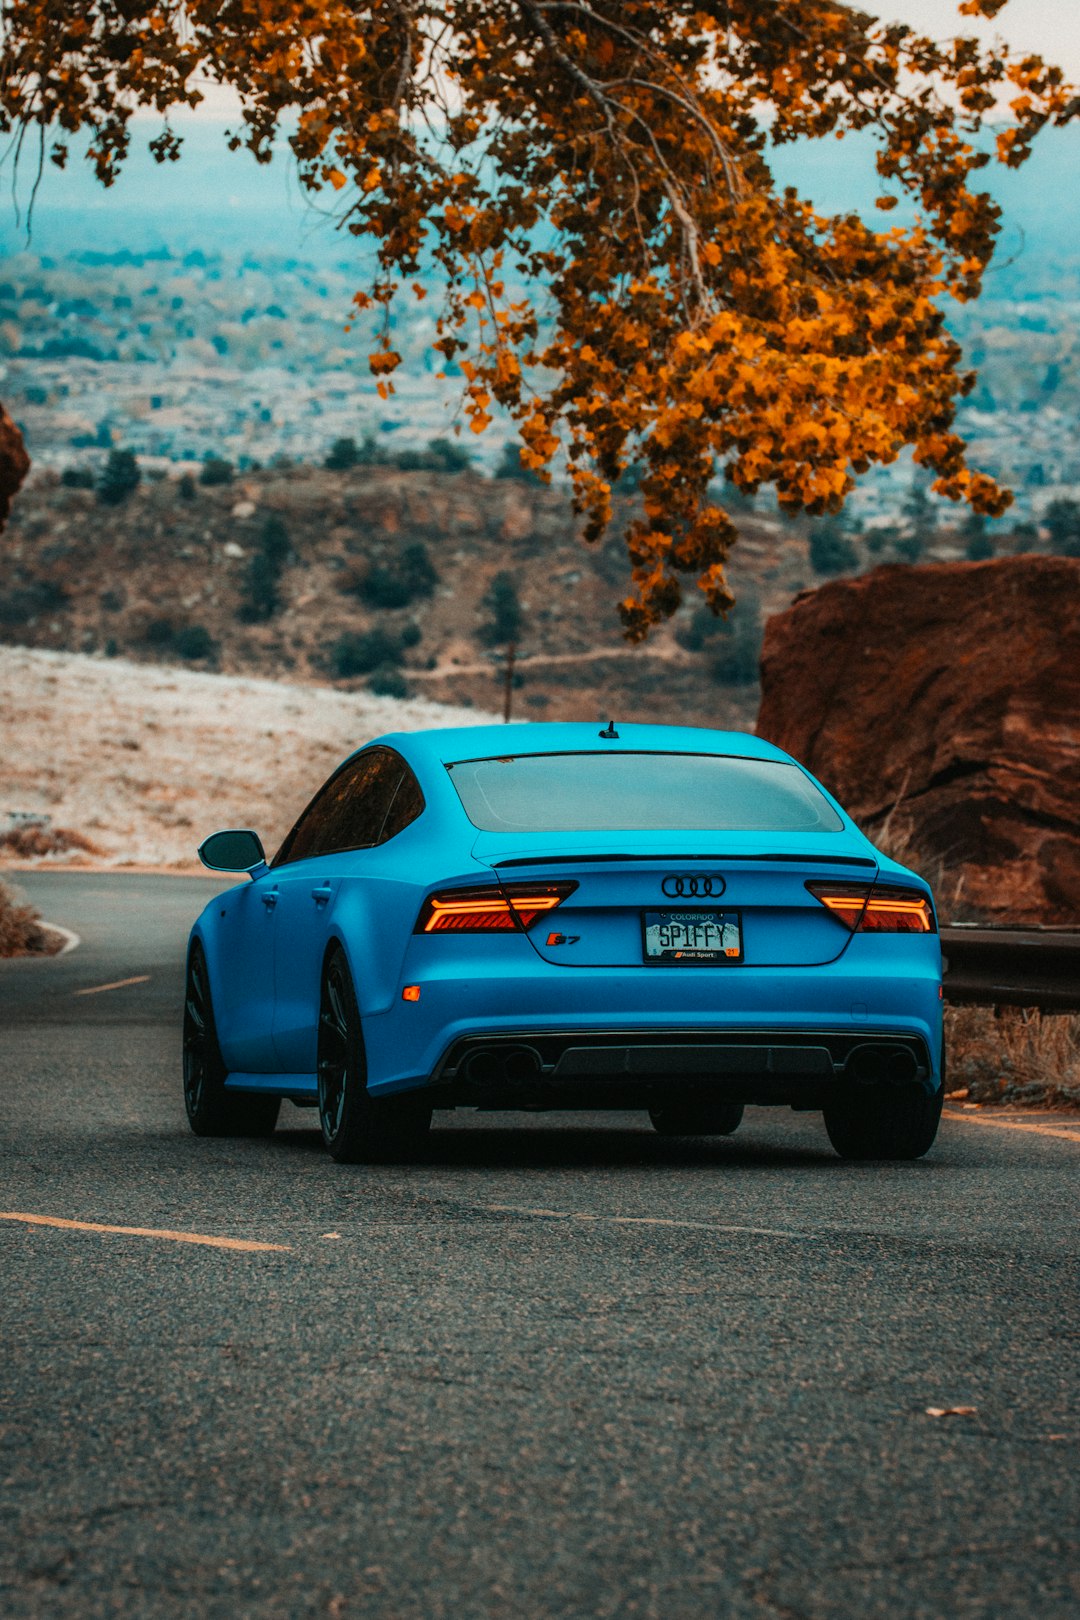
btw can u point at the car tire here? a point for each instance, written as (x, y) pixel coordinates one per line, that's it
(358, 1128)
(883, 1122)
(716, 1119)
(211, 1110)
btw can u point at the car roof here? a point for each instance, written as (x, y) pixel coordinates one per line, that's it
(446, 745)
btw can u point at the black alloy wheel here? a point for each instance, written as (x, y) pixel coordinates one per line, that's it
(356, 1127)
(211, 1110)
(706, 1119)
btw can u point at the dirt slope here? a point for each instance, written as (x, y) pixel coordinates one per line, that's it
(146, 761)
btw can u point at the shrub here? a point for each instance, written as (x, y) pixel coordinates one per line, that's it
(344, 453)
(417, 569)
(159, 633)
(1024, 536)
(185, 641)
(21, 933)
(921, 515)
(410, 635)
(441, 455)
(216, 470)
(383, 587)
(34, 839)
(1062, 521)
(28, 602)
(910, 546)
(360, 654)
(77, 478)
(396, 584)
(733, 645)
(194, 641)
(261, 599)
(388, 682)
(503, 604)
(119, 478)
(186, 487)
(831, 552)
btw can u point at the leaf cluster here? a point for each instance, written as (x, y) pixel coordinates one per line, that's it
(616, 154)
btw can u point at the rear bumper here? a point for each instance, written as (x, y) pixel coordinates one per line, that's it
(644, 1069)
(770, 1031)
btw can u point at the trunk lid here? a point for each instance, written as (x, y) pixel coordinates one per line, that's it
(760, 880)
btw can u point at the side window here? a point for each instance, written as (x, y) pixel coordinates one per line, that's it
(407, 804)
(349, 812)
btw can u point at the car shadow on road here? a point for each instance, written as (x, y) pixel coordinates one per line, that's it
(573, 1146)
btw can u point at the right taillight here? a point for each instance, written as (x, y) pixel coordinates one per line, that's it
(877, 908)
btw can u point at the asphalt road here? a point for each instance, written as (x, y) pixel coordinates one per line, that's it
(560, 1368)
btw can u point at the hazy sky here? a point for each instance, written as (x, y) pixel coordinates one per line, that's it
(1050, 28)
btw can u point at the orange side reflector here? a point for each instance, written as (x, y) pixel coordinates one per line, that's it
(411, 992)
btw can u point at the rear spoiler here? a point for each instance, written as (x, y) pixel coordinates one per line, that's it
(683, 855)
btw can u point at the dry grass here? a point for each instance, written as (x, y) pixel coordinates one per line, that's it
(1013, 1055)
(35, 841)
(21, 933)
(896, 837)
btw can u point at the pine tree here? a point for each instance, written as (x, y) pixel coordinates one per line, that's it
(120, 477)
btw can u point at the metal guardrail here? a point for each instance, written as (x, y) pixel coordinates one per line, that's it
(1012, 967)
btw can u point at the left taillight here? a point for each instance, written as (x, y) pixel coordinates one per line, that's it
(507, 908)
(877, 908)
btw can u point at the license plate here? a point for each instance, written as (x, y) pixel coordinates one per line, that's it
(689, 938)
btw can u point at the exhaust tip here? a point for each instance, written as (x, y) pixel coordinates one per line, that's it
(881, 1065)
(502, 1065)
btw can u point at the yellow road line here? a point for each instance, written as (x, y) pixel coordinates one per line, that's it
(1012, 1125)
(95, 989)
(247, 1245)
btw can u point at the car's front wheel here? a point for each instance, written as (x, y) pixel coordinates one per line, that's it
(211, 1110)
(715, 1119)
(883, 1122)
(358, 1128)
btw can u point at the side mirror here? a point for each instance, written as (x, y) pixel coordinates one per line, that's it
(237, 850)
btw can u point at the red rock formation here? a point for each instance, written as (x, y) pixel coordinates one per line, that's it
(14, 463)
(949, 698)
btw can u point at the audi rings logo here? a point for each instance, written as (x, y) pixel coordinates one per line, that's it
(693, 886)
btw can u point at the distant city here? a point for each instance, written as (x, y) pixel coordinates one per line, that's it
(145, 321)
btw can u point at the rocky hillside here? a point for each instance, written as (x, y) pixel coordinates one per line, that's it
(376, 577)
(940, 704)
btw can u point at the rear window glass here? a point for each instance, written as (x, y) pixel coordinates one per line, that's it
(640, 793)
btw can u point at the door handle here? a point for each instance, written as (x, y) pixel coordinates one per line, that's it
(322, 895)
(270, 899)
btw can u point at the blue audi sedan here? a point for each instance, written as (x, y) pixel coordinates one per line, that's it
(641, 917)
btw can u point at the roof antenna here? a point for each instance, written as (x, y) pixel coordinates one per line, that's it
(610, 731)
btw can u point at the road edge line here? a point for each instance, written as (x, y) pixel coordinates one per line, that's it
(1013, 1125)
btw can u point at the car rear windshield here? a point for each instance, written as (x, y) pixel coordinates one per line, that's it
(640, 792)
